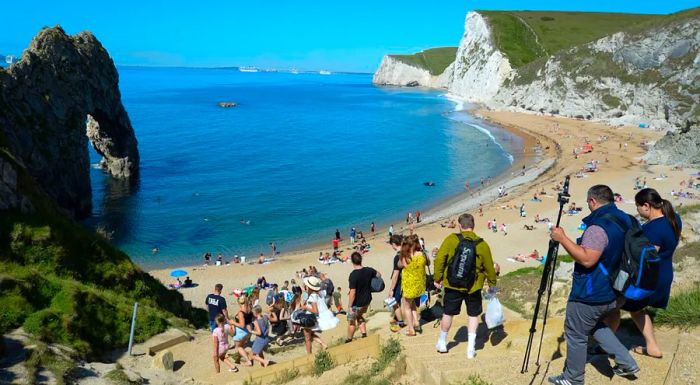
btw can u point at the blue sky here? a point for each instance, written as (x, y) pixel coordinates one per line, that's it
(347, 35)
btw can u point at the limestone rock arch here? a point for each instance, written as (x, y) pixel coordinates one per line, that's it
(64, 90)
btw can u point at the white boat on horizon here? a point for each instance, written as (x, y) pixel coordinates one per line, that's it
(324, 72)
(247, 69)
(294, 71)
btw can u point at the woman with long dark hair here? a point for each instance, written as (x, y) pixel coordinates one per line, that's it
(412, 262)
(663, 228)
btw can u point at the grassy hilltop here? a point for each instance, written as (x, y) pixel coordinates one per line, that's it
(435, 60)
(525, 36)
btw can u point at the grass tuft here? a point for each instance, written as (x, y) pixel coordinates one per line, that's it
(473, 379)
(323, 362)
(683, 309)
(285, 376)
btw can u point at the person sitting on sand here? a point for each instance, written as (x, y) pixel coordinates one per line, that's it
(219, 260)
(279, 315)
(261, 259)
(176, 285)
(188, 282)
(220, 339)
(261, 329)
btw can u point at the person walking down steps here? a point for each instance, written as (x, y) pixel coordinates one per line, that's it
(462, 265)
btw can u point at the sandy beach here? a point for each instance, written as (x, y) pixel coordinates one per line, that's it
(619, 164)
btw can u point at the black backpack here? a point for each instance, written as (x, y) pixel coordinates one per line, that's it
(638, 271)
(461, 270)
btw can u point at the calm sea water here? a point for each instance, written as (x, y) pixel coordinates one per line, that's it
(299, 157)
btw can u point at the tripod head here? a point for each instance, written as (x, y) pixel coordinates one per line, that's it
(564, 193)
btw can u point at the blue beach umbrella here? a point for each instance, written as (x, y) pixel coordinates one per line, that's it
(178, 273)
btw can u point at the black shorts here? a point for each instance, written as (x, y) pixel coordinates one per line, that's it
(452, 302)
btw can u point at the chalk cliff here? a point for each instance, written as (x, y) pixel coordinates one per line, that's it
(480, 68)
(45, 100)
(644, 75)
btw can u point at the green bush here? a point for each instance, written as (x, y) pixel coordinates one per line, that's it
(14, 310)
(323, 362)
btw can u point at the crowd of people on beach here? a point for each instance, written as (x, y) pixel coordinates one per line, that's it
(310, 303)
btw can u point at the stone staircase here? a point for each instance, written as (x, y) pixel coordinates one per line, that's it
(500, 354)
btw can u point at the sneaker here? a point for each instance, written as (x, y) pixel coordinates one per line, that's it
(471, 353)
(560, 380)
(622, 372)
(441, 346)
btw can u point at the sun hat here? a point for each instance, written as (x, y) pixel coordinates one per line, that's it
(312, 283)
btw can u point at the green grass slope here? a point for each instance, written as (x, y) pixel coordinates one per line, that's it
(525, 36)
(435, 60)
(67, 285)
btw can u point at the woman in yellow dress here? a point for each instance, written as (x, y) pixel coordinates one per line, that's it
(413, 262)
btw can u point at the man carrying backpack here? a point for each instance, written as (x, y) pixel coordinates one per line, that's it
(462, 264)
(597, 254)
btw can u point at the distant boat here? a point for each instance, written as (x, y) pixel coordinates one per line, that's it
(247, 69)
(294, 71)
(324, 72)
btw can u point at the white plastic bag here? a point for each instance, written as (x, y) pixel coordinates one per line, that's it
(494, 313)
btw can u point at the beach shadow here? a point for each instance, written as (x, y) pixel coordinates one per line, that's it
(190, 286)
(460, 337)
(557, 353)
(177, 365)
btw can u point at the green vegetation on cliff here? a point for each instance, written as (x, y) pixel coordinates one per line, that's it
(66, 285)
(525, 36)
(435, 60)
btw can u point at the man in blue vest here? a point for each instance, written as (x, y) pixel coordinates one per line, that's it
(592, 297)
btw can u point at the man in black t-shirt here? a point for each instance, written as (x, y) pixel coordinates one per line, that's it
(360, 295)
(216, 304)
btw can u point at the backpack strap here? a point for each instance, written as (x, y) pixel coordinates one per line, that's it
(621, 225)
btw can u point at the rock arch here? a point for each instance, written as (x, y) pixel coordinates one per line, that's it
(49, 98)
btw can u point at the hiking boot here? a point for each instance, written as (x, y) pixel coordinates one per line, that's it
(560, 380)
(623, 372)
(441, 346)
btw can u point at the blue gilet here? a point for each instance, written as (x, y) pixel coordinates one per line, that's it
(593, 285)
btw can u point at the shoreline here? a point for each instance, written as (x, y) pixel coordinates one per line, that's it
(446, 207)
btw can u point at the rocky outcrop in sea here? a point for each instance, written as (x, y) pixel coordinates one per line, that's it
(63, 93)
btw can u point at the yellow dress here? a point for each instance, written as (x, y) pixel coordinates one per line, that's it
(413, 277)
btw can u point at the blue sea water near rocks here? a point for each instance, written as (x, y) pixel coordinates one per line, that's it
(301, 155)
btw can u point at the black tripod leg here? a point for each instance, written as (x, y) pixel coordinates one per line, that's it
(546, 306)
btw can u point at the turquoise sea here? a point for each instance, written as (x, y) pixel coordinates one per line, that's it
(300, 156)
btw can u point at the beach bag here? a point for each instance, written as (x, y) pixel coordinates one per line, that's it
(637, 274)
(461, 271)
(303, 318)
(377, 285)
(494, 313)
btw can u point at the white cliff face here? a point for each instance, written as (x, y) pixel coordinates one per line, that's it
(646, 78)
(480, 68)
(395, 72)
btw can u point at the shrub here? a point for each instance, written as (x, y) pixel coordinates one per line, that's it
(14, 309)
(323, 362)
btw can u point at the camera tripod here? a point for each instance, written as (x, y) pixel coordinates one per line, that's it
(546, 282)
